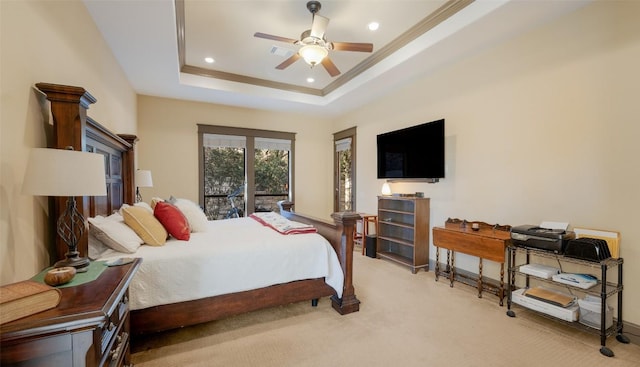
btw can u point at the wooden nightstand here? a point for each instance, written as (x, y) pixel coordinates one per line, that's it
(90, 326)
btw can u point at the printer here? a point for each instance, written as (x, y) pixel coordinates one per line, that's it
(540, 238)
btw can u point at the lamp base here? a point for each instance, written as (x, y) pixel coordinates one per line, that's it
(80, 263)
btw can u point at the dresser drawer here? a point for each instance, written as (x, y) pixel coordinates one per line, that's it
(119, 350)
(114, 338)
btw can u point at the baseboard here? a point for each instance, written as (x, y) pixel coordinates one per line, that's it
(632, 331)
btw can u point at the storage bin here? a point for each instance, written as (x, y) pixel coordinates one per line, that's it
(370, 245)
(590, 312)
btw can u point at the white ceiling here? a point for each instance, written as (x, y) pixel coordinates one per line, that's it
(161, 44)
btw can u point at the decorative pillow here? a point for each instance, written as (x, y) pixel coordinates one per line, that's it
(113, 232)
(172, 220)
(154, 201)
(145, 225)
(142, 204)
(197, 219)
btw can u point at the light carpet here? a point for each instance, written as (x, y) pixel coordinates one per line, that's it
(405, 319)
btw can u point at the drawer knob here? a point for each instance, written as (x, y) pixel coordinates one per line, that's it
(115, 353)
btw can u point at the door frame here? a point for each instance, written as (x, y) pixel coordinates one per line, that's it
(347, 133)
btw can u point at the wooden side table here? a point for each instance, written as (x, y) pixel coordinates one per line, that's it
(360, 237)
(487, 242)
(90, 326)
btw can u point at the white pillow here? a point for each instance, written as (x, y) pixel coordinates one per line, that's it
(96, 247)
(115, 233)
(195, 216)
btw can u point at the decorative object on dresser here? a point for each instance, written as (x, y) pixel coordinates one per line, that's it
(403, 225)
(65, 172)
(483, 240)
(143, 179)
(21, 299)
(59, 276)
(89, 327)
(68, 106)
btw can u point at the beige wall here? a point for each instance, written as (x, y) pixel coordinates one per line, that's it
(543, 127)
(53, 42)
(168, 147)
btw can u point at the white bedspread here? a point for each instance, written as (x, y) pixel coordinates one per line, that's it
(233, 255)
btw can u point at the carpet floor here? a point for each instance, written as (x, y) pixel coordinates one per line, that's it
(405, 319)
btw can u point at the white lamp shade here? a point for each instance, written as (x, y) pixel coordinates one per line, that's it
(386, 189)
(61, 172)
(313, 54)
(143, 178)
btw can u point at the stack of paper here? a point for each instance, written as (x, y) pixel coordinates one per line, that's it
(565, 313)
(550, 296)
(584, 281)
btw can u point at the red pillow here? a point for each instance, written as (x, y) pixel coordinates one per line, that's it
(172, 220)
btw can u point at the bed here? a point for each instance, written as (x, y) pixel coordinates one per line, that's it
(72, 127)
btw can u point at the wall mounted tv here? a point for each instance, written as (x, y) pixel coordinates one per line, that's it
(415, 153)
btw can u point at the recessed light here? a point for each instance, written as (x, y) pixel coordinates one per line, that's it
(373, 26)
(209, 60)
(310, 80)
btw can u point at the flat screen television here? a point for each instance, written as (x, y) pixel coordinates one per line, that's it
(415, 152)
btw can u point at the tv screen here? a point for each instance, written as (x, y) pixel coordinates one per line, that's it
(415, 152)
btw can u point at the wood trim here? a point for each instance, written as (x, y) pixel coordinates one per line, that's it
(443, 13)
(347, 133)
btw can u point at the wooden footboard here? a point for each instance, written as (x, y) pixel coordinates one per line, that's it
(340, 235)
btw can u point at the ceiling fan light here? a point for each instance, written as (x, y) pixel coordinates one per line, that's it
(313, 54)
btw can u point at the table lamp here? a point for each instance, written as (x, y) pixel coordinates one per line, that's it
(143, 179)
(70, 173)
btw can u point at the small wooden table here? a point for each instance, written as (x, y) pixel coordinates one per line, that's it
(361, 237)
(487, 242)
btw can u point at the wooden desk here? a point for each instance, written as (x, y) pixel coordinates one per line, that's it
(488, 242)
(90, 326)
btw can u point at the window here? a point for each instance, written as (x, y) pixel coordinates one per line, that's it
(344, 164)
(226, 167)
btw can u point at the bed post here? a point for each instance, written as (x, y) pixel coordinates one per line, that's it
(347, 221)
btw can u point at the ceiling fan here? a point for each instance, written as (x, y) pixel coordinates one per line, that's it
(315, 47)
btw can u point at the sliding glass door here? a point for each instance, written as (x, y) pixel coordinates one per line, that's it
(232, 157)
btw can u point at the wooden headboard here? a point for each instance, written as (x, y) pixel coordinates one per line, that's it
(72, 127)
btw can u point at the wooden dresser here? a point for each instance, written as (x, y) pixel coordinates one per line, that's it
(90, 326)
(486, 242)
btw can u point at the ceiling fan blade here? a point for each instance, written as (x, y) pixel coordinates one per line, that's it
(288, 61)
(348, 46)
(331, 68)
(319, 26)
(274, 38)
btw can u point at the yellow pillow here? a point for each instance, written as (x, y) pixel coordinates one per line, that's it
(145, 225)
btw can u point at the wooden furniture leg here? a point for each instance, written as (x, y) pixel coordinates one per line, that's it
(452, 271)
(480, 279)
(437, 263)
(501, 295)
